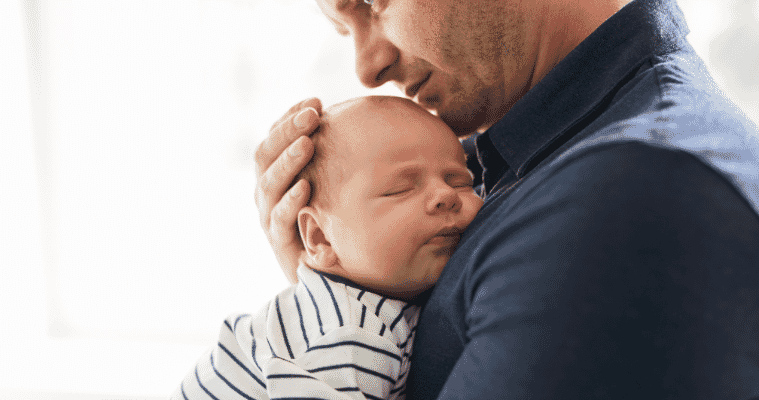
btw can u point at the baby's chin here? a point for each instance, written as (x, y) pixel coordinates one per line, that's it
(406, 292)
(420, 288)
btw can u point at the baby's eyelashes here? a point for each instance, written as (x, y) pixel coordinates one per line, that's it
(397, 191)
(461, 180)
(466, 183)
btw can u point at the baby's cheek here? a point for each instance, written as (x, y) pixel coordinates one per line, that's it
(396, 254)
(349, 245)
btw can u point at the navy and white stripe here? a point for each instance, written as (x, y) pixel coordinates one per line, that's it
(319, 339)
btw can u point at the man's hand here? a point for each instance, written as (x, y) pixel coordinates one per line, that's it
(279, 158)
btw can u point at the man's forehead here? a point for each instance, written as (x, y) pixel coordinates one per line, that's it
(331, 10)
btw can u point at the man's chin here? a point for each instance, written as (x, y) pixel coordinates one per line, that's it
(463, 120)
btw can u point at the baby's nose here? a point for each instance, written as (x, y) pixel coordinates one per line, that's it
(445, 199)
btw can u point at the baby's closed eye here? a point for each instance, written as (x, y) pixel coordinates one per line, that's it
(397, 191)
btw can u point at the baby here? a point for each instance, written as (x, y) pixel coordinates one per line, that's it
(391, 196)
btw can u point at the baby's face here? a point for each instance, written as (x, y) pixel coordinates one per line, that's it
(406, 199)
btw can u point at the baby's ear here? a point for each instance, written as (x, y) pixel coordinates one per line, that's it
(321, 255)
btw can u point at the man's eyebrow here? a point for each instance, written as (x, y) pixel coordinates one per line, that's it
(343, 4)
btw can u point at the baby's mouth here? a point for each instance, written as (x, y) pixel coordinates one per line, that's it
(448, 233)
(448, 240)
(445, 244)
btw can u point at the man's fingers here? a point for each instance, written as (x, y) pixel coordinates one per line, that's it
(284, 169)
(283, 135)
(285, 240)
(313, 102)
(301, 120)
(274, 182)
(279, 158)
(285, 213)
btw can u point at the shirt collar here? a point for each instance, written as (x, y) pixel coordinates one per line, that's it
(570, 93)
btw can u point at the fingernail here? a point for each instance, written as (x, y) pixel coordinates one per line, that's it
(294, 150)
(303, 118)
(296, 190)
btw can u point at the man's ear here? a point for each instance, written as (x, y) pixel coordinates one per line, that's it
(321, 255)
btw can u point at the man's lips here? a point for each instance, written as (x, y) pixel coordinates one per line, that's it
(412, 90)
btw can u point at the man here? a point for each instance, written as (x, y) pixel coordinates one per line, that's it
(617, 252)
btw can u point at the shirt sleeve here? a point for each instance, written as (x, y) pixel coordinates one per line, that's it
(632, 274)
(340, 342)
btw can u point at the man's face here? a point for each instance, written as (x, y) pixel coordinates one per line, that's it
(408, 196)
(462, 60)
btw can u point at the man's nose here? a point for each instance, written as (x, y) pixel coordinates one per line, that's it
(375, 58)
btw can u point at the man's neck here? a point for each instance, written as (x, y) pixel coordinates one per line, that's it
(550, 30)
(561, 25)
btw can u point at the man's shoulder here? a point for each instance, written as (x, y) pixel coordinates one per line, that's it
(674, 92)
(674, 106)
(624, 204)
(627, 187)
(668, 133)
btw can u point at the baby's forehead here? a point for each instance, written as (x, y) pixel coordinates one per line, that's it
(367, 122)
(363, 108)
(363, 119)
(373, 121)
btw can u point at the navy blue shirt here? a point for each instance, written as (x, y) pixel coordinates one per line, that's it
(617, 252)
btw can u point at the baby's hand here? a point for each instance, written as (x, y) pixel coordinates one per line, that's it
(279, 158)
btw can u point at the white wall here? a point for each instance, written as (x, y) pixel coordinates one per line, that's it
(128, 229)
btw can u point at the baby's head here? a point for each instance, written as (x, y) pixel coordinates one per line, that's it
(391, 195)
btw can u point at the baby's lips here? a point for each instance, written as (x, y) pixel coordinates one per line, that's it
(451, 239)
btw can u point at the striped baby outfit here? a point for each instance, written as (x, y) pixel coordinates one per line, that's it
(322, 338)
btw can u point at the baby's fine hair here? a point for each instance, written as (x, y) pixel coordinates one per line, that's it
(324, 171)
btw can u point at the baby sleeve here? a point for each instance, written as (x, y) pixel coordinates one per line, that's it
(319, 339)
(339, 342)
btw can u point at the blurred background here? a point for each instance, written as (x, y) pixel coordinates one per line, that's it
(128, 229)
